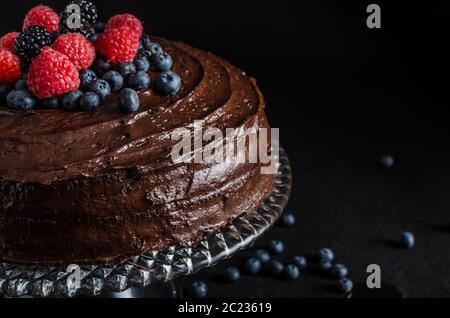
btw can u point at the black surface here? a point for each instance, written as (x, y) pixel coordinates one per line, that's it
(342, 95)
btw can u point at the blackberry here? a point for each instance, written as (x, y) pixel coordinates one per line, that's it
(30, 42)
(88, 18)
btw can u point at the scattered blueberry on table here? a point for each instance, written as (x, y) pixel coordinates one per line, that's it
(325, 265)
(288, 220)
(198, 289)
(276, 247)
(291, 272)
(253, 266)
(263, 256)
(300, 261)
(408, 240)
(387, 161)
(339, 271)
(345, 285)
(326, 254)
(276, 267)
(232, 274)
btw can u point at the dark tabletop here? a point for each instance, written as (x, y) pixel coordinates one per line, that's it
(342, 96)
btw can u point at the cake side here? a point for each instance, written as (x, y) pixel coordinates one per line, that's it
(99, 187)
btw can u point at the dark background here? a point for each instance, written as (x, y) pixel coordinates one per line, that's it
(343, 96)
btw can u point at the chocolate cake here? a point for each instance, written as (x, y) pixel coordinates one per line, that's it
(88, 187)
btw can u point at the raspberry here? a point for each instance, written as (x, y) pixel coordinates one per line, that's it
(122, 20)
(9, 67)
(7, 41)
(52, 74)
(118, 45)
(42, 16)
(77, 48)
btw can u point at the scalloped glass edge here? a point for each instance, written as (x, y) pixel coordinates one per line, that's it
(154, 266)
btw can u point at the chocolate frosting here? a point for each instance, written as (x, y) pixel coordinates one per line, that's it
(99, 187)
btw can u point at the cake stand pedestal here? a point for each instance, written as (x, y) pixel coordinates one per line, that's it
(152, 274)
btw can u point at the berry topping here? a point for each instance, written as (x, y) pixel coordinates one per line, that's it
(118, 45)
(88, 18)
(50, 103)
(9, 67)
(129, 100)
(125, 20)
(161, 62)
(42, 16)
(141, 64)
(86, 78)
(30, 42)
(52, 74)
(114, 79)
(7, 41)
(71, 100)
(126, 68)
(101, 88)
(77, 48)
(90, 101)
(168, 83)
(20, 99)
(139, 81)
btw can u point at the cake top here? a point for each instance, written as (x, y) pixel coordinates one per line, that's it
(74, 61)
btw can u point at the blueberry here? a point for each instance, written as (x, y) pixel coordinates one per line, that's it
(345, 285)
(325, 266)
(339, 271)
(154, 48)
(99, 27)
(21, 84)
(50, 103)
(300, 261)
(292, 272)
(90, 101)
(86, 78)
(71, 100)
(387, 161)
(101, 67)
(129, 100)
(139, 81)
(20, 99)
(326, 254)
(4, 90)
(101, 88)
(288, 220)
(161, 62)
(408, 240)
(276, 247)
(146, 42)
(126, 68)
(198, 289)
(263, 256)
(114, 79)
(276, 267)
(232, 274)
(253, 265)
(168, 83)
(142, 64)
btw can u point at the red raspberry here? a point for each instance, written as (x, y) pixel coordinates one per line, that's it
(118, 45)
(52, 74)
(9, 67)
(126, 19)
(7, 41)
(77, 48)
(42, 16)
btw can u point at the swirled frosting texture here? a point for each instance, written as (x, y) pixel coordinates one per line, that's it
(98, 187)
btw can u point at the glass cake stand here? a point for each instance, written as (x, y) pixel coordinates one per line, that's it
(152, 274)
